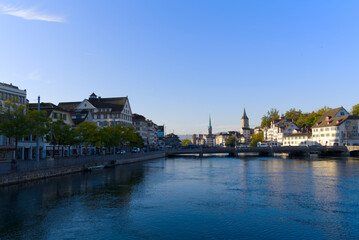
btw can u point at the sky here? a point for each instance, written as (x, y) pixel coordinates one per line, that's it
(181, 61)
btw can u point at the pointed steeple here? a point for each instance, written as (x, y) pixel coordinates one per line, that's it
(244, 114)
(210, 125)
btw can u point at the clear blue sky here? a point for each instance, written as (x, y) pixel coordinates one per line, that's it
(179, 61)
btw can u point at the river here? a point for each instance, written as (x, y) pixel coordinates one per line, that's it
(191, 198)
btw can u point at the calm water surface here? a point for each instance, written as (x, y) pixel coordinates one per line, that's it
(191, 198)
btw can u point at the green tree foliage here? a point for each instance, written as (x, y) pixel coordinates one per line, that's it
(111, 136)
(61, 134)
(269, 117)
(231, 141)
(14, 122)
(38, 123)
(300, 118)
(186, 142)
(293, 114)
(355, 110)
(309, 119)
(255, 138)
(87, 133)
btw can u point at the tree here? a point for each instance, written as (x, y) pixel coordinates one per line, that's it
(14, 123)
(355, 110)
(314, 116)
(186, 142)
(293, 114)
(61, 135)
(301, 121)
(38, 123)
(269, 117)
(255, 138)
(111, 136)
(231, 141)
(88, 133)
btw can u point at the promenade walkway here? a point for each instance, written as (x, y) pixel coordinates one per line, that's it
(32, 165)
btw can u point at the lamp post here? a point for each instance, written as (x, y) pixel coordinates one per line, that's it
(37, 136)
(114, 126)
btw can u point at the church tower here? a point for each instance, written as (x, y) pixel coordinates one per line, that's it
(210, 126)
(245, 120)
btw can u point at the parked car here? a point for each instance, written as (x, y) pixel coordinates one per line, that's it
(121, 152)
(135, 150)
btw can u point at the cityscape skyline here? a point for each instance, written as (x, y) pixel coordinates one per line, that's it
(180, 61)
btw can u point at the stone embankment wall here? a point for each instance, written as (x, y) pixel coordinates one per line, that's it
(18, 177)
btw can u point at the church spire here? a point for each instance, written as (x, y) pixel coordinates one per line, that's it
(244, 114)
(210, 125)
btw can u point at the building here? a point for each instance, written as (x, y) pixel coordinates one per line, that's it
(9, 92)
(246, 131)
(140, 123)
(151, 134)
(210, 137)
(221, 139)
(279, 128)
(102, 111)
(161, 136)
(298, 139)
(172, 140)
(257, 130)
(336, 128)
(54, 113)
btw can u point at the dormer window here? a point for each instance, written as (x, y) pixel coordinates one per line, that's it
(341, 113)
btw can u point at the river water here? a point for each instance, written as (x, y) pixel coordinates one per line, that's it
(191, 198)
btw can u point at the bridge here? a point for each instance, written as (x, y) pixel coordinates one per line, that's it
(267, 151)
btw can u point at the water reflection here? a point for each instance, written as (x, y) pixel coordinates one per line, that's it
(191, 198)
(27, 205)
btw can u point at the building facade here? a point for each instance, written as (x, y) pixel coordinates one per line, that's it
(279, 128)
(336, 128)
(246, 131)
(102, 111)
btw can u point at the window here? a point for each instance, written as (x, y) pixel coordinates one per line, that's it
(55, 115)
(64, 116)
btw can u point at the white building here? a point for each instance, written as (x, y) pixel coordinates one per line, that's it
(279, 129)
(102, 111)
(298, 139)
(336, 128)
(9, 92)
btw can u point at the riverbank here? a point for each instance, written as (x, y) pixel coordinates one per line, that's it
(29, 171)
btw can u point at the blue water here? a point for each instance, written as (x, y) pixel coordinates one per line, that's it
(191, 198)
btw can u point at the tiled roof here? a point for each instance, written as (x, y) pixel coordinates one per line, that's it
(48, 107)
(69, 105)
(138, 117)
(116, 104)
(328, 119)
